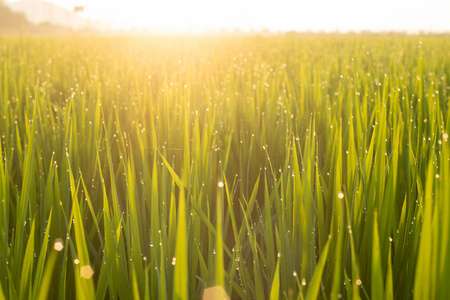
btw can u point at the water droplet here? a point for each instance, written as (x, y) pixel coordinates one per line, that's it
(86, 272)
(58, 245)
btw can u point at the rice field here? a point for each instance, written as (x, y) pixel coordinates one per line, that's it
(274, 167)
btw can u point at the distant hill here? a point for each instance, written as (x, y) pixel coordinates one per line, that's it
(39, 12)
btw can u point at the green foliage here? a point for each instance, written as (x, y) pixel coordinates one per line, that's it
(283, 167)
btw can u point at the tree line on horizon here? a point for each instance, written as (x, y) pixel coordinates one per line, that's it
(11, 20)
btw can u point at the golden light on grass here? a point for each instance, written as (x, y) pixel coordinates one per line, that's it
(86, 272)
(249, 226)
(58, 245)
(215, 293)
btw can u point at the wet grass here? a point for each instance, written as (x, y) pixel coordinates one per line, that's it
(275, 167)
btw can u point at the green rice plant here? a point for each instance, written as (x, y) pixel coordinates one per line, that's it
(282, 167)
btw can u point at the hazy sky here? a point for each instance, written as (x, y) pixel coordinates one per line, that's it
(343, 15)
